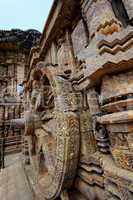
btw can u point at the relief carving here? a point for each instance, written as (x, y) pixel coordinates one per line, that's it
(116, 92)
(102, 22)
(79, 118)
(53, 132)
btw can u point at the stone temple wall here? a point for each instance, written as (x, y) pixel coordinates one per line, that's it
(15, 46)
(79, 97)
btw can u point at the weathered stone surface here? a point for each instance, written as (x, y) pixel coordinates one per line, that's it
(13, 181)
(99, 21)
(54, 152)
(79, 37)
(78, 138)
(129, 7)
(15, 46)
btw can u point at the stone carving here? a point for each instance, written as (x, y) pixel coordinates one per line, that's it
(56, 129)
(15, 46)
(119, 91)
(77, 43)
(102, 22)
(129, 6)
(80, 111)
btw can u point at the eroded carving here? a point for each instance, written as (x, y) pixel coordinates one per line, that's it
(54, 133)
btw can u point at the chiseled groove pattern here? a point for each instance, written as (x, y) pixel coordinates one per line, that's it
(112, 47)
(117, 48)
(111, 43)
(107, 23)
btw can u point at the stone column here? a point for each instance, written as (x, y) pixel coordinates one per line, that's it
(99, 130)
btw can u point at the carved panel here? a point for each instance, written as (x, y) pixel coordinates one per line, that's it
(118, 182)
(79, 39)
(117, 91)
(88, 142)
(99, 21)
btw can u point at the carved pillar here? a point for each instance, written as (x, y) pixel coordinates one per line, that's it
(88, 142)
(99, 130)
(93, 102)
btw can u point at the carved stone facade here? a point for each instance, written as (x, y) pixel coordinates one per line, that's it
(79, 103)
(15, 46)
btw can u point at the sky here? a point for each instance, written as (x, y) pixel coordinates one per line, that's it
(24, 14)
